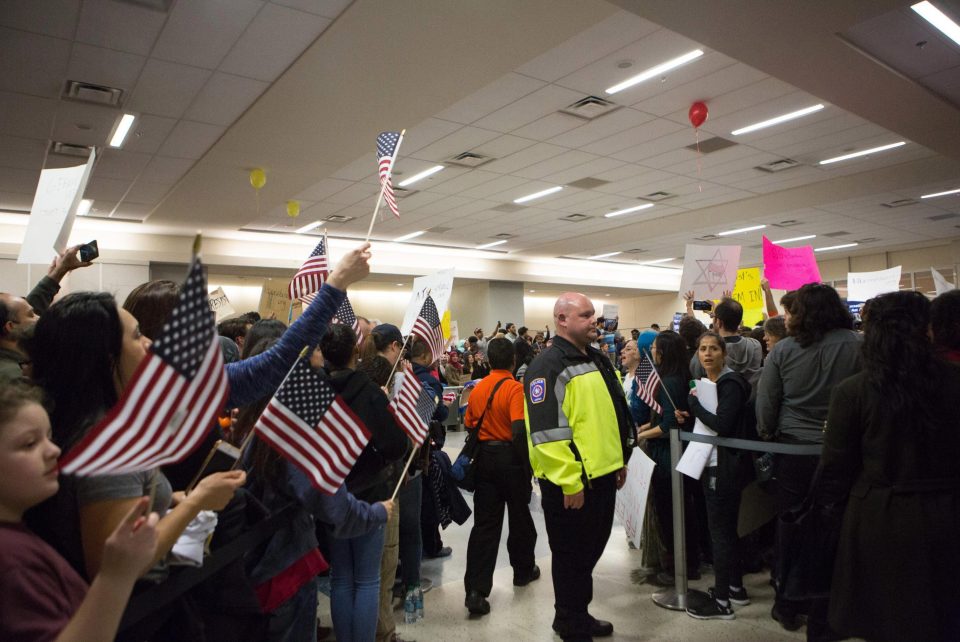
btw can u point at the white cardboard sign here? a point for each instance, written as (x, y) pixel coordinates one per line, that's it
(710, 270)
(439, 285)
(862, 286)
(631, 503)
(941, 283)
(220, 304)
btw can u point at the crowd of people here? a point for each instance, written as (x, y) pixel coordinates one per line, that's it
(562, 410)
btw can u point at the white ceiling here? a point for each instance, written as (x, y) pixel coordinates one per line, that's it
(301, 88)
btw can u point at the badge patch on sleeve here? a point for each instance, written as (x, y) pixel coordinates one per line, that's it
(538, 390)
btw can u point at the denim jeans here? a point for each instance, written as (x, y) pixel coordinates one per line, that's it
(355, 585)
(296, 619)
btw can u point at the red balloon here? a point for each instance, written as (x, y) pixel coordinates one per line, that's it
(698, 113)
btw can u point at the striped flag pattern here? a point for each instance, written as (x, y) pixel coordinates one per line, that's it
(172, 399)
(386, 154)
(313, 428)
(413, 406)
(427, 328)
(310, 277)
(648, 390)
(346, 316)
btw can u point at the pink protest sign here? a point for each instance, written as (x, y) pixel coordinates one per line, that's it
(787, 268)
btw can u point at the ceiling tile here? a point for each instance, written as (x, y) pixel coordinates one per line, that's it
(131, 212)
(167, 88)
(504, 146)
(21, 153)
(462, 140)
(322, 189)
(115, 163)
(465, 181)
(497, 94)
(642, 141)
(275, 38)
(33, 64)
(429, 131)
(26, 116)
(57, 18)
(494, 190)
(201, 32)
(588, 169)
(354, 194)
(524, 158)
(106, 189)
(106, 67)
(145, 193)
(224, 98)
(148, 133)
(119, 25)
(603, 127)
(16, 202)
(529, 108)
(327, 8)
(23, 181)
(162, 169)
(554, 164)
(83, 124)
(549, 126)
(190, 140)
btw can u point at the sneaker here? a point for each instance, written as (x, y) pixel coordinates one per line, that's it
(425, 584)
(476, 603)
(739, 598)
(711, 610)
(523, 580)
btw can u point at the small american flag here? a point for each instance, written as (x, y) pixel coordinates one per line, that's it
(310, 277)
(313, 428)
(648, 391)
(427, 327)
(449, 397)
(413, 406)
(386, 154)
(172, 399)
(346, 316)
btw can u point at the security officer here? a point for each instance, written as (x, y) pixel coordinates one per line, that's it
(580, 437)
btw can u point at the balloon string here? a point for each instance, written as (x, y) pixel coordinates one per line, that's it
(699, 160)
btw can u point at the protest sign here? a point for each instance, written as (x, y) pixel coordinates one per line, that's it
(631, 503)
(862, 286)
(275, 302)
(710, 270)
(220, 304)
(787, 268)
(941, 283)
(439, 285)
(750, 295)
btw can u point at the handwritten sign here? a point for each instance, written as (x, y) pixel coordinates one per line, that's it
(54, 209)
(439, 285)
(610, 311)
(862, 286)
(220, 304)
(941, 283)
(710, 270)
(276, 304)
(750, 295)
(631, 503)
(788, 268)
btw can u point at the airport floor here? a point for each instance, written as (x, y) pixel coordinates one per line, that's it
(525, 614)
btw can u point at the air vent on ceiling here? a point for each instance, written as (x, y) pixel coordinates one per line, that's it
(708, 237)
(868, 240)
(162, 6)
(66, 149)
(636, 250)
(574, 218)
(835, 234)
(90, 93)
(439, 229)
(901, 202)
(778, 165)
(337, 218)
(504, 235)
(656, 197)
(507, 207)
(588, 183)
(711, 145)
(942, 217)
(790, 222)
(469, 159)
(590, 108)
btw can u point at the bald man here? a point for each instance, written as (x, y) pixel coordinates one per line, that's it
(580, 436)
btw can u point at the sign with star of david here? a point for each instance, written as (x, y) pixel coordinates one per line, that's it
(710, 270)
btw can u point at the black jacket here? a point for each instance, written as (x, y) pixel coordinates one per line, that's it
(734, 418)
(376, 470)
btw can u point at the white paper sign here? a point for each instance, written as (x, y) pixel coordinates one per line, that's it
(710, 270)
(632, 498)
(941, 283)
(454, 333)
(54, 208)
(220, 304)
(862, 286)
(610, 311)
(439, 285)
(699, 455)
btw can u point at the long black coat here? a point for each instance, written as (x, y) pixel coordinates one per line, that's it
(898, 562)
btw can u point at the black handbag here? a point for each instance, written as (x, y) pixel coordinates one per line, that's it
(467, 459)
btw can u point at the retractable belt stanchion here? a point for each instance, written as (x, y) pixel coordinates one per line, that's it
(678, 598)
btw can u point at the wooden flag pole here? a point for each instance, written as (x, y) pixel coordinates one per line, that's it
(383, 187)
(404, 473)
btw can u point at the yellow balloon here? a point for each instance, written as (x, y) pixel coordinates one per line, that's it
(258, 178)
(293, 209)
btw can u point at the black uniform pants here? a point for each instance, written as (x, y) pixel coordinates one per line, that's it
(577, 539)
(501, 480)
(722, 498)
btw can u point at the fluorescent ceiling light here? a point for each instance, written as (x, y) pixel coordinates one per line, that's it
(882, 148)
(741, 230)
(658, 261)
(122, 130)
(777, 120)
(422, 175)
(628, 210)
(938, 19)
(603, 256)
(947, 193)
(656, 71)
(407, 237)
(541, 193)
(797, 238)
(309, 226)
(84, 208)
(834, 247)
(493, 244)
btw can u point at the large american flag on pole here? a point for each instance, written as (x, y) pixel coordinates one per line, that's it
(172, 400)
(427, 327)
(346, 316)
(386, 154)
(310, 277)
(313, 428)
(413, 406)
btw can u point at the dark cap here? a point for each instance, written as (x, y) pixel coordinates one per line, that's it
(389, 332)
